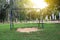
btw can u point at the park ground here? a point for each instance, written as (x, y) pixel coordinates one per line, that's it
(51, 31)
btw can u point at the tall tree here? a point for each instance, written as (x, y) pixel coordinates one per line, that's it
(22, 7)
(54, 3)
(3, 8)
(54, 6)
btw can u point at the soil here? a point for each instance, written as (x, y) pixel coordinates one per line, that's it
(27, 30)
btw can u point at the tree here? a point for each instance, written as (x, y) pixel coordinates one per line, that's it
(22, 7)
(3, 8)
(54, 6)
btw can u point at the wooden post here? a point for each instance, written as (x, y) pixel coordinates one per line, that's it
(11, 15)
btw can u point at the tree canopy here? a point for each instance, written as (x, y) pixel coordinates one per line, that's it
(54, 4)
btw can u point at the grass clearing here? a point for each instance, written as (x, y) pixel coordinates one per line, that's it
(50, 32)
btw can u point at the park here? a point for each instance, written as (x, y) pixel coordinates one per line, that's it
(29, 20)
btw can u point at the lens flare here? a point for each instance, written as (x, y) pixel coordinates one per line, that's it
(39, 4)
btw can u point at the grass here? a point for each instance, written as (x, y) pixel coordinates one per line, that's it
(50, 32)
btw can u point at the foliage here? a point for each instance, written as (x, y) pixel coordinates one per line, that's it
(23, 3)
(54, 4)
(32, 15)
(3, 8)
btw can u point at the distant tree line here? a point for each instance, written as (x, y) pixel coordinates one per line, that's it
(22, 10)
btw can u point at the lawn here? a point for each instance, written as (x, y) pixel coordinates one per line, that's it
(50, 32)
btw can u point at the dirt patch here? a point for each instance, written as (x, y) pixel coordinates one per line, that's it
(27, 30)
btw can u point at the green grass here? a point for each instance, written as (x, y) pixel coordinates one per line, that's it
(50, 32)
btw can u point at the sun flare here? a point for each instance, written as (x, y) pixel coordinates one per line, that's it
(39, 4)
